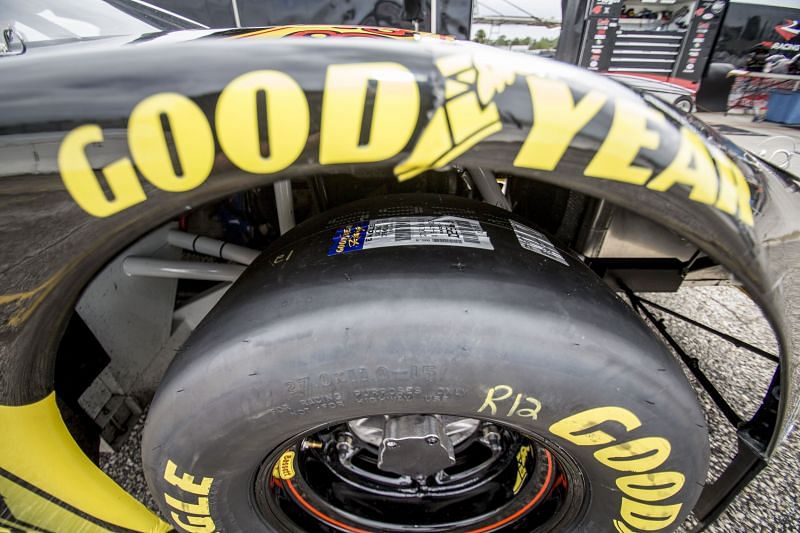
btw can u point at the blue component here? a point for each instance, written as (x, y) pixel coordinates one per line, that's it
(349, 239)
(235, 226)
(783, 107)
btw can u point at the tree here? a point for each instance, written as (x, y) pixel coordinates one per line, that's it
(480, 37)
(543, 44)
(501, 41)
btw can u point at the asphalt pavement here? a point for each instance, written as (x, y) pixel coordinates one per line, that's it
(770, 503)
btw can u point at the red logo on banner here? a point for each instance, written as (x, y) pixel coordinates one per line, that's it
(790, 30)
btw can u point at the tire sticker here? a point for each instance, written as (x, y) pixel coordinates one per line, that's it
(533, 241)
(284, 467)
(410, 231)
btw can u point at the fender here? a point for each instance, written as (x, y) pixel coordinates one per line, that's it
(100, 145)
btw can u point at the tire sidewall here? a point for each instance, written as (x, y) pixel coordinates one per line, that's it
(253, 393)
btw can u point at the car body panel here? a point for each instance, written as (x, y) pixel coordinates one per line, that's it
(86, 165)
(669, 92)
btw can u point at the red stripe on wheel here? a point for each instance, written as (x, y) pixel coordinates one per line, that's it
(319, 514)
(528, 506)
(333, 522)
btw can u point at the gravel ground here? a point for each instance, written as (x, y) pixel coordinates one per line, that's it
(770, 503)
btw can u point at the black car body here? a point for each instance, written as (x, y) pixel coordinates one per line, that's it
(77, 187)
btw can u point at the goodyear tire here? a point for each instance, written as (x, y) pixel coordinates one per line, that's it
(324, 329)
(684, 103)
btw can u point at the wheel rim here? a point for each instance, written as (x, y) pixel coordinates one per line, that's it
(502, 480)
(684, 105)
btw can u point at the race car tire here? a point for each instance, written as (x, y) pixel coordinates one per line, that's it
(684, 103)
(323, 329)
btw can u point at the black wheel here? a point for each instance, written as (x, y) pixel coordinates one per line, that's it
(351, 477)
(684, 103)
(438, 368)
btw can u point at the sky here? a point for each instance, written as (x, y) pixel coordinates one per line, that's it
(546, 9)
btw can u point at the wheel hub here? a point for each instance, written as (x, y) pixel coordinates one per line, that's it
(416, 472)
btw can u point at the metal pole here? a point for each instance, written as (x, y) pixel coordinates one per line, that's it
(161, 268)
(285, 205)
(236, 18)
(212, 247)
(486, 182)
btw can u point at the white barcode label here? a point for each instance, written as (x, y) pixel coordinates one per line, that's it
(532, 240)
(433, 231)
(410, 231)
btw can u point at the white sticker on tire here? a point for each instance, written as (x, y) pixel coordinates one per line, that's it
(410, 231)
(532, 240)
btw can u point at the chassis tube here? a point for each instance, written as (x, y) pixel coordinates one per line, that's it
(212, 247)
(160, 268)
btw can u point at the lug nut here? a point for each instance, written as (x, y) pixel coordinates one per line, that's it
(391, 444)
(491, 437)
(432, 440)
(344, 444)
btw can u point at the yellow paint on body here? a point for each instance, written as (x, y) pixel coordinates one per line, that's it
(37, 447)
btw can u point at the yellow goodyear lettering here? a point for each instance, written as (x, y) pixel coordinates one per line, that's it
(652, 487)
(186, 482)
(468, 115)
(727, 200)
(734, 193)
(629, 133)
(192, 512)
(644, 487)
(648, 517)
(191, 138)
(81, 182)
(557, 119)
(287, 120)
(640, 455)
(744, 212)
(693, 167)
(574, 428)
(194, 524)
(394, 112)
(369, 114)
